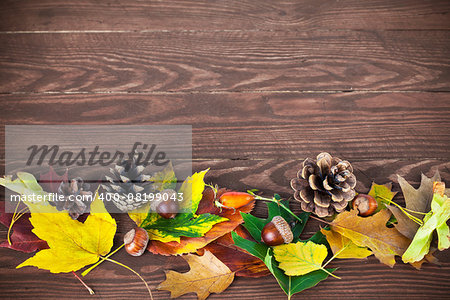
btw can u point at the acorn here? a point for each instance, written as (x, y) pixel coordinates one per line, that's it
(277, 232)
(136, 241)
(167, 209)
(365, 204)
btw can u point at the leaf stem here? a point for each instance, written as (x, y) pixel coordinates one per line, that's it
(102, 260)
(405, 210)
(137, 274)
(13, 220)
(91, 291)
(280, 204)
(329, 273)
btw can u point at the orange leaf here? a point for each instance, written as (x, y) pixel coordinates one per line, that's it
(187, 244)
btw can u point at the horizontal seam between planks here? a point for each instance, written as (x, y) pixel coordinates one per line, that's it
(206, 31)
(222, 92)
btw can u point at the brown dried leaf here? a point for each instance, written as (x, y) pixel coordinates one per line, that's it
(372, 232)
(416, 200)
(207, 275)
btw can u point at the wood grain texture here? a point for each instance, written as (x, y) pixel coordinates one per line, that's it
(264, 125)
(265, 84)
(50, 15)
(361, 279)
(225, 61)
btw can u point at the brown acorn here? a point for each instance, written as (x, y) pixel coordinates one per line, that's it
(136, 241)
(167, 209)
(277, 232)
(365, 204)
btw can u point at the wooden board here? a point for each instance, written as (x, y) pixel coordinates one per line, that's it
(264, 84)
(134, 15)
(264, 125)
(173, 62)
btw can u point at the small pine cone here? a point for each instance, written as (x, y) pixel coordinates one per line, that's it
(324, 186)
(71, 190)
(127, 182)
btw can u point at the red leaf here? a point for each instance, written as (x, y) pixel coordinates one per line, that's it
(50, 181)
(22, 238)
(237, 259)
(206, 205)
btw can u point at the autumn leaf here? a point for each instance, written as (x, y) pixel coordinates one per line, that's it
(24, 184)
(372, 232)
(416, 200)
(50, 181)
(237, 259)
(73, 244)
(435, 220)
(300, 258)
(184, 224)
(192, 244)
(164, 179)
(207, 275)
(382, 194)
(22, 239)
(344, 247)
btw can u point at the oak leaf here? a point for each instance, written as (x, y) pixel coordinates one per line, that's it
(300, 258)
(73, 244)
(207, 275)
(372, 232)
(416, 200)
(344, 247)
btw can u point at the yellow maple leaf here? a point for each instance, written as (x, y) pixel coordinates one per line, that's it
(73, 244)
(372, 232)
(207, 275)
(300, 258)
(343, 247)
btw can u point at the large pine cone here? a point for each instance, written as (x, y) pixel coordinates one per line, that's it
(71, 190)
(126, 183)
(325, 185)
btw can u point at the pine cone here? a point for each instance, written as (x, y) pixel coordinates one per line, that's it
(128, 179)
(325, 185)
(70, 190)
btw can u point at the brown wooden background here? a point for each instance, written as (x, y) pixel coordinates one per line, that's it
(264, 84)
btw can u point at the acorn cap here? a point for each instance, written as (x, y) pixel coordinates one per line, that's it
(283, 228)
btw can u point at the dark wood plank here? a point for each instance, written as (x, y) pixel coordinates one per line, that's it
(223, 15)
(264, 125)
(225, 61)
(361, 279)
